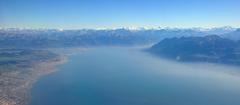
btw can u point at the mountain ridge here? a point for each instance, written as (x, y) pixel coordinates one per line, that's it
(211, 48)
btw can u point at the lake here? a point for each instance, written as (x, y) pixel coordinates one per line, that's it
(129, 76)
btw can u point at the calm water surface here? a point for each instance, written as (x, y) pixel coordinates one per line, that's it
(125, 76)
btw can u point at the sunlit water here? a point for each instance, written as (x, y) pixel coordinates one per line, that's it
(125, 76)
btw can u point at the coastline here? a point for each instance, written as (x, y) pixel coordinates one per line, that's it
(20, 94)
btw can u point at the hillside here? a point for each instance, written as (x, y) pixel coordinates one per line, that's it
(204, 49)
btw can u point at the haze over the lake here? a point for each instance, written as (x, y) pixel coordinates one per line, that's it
(128, 76)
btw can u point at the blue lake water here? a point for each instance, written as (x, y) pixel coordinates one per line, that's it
(128, 76)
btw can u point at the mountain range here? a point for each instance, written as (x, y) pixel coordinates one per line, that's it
(45, 38)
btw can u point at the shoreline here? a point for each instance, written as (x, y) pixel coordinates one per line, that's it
(21, 94)
(50, 67)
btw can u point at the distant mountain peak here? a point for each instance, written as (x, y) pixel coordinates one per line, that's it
(212, 37)
(238, 30)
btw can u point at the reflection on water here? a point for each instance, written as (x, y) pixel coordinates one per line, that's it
(125, 76)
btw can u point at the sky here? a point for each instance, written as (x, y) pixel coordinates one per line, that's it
(76, 14)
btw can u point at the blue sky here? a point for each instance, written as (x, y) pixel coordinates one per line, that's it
(74, 14)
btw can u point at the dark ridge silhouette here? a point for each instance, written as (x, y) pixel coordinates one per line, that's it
(204, 49)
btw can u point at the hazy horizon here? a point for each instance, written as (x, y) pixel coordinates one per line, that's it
(127, 28)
